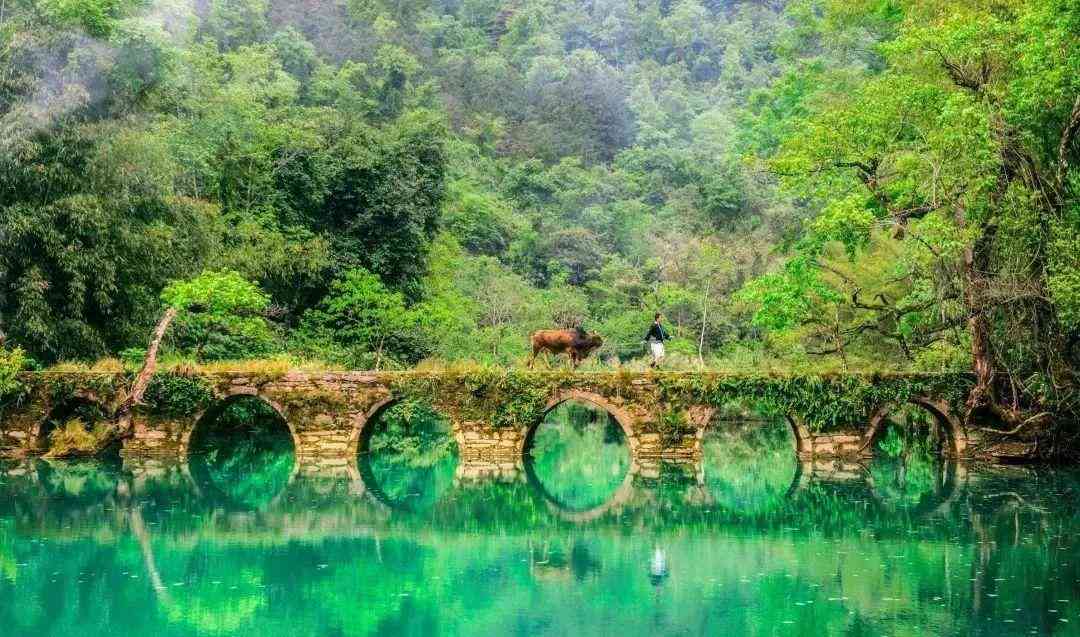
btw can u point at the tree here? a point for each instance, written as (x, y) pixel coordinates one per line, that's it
(87, 240)
(971, 124)
(11, 363)
(383, 206)
(221, 316)
(362, 317)
(480, 221)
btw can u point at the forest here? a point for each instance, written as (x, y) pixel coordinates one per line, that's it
(813, 186)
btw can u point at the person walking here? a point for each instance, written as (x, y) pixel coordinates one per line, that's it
(655, 338)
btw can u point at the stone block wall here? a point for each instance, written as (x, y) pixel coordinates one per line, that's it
(478, 441)
(327, 413)
(153, 437)
(837, 444)
(484, 471)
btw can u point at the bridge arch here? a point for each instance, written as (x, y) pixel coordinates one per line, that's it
(363, 481)
(622, 416)
(734, 443)
(363, 425)
(955, 438)
(362, 428)
(197, 475)
(206, 416)
(625, 489)
(702, 418)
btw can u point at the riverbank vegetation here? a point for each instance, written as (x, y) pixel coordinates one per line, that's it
(808, 185)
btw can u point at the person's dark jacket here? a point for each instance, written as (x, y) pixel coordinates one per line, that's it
(657, 333)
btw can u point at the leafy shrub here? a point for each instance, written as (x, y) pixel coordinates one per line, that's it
(11, 363)
(221, 316)
(362, 323)
(173, 395)
(75, 438)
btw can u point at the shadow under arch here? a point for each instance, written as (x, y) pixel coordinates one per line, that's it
(362, 470)
(197, 470)
(954, 443)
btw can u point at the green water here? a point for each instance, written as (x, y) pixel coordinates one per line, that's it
(408, 542)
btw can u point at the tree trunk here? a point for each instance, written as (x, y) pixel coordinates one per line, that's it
(704, 322)
(378, 353)
(976, 264)
(838, 338)
(142, 381)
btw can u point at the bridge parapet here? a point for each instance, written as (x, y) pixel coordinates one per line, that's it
(494, 413)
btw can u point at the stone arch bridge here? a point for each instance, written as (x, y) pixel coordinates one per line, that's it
(493, 413)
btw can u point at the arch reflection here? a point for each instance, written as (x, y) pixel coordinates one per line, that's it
(749, 466)
(578, 459)
(241, 454)
(408, 456)
(79, 480)
(908, 470)
(921, 486)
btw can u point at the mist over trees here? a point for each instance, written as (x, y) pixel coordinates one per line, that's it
(811, 184)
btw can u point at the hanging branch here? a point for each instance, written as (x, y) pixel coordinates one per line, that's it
(1010, 415)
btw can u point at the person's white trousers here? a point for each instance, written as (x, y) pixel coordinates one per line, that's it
(657, 349)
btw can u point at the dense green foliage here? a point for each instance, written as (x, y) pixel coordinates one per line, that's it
(819, 184)
(219, 316)
(11, 363)
(175, 396)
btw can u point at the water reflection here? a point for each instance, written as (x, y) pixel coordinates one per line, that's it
(917, 482)
(578, 457)
(749, 466)
(409, 456)
(242, 454)
(80, 481)
(95, 549)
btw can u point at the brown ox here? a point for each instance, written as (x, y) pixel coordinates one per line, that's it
(574, 343)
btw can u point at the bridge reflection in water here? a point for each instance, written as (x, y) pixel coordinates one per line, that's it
(577, 465)
(370, 548)
(579, 475)
(574, 538)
